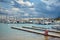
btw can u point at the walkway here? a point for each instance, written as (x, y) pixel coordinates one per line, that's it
(37, 32)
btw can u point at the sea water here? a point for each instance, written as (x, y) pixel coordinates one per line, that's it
(6, 33)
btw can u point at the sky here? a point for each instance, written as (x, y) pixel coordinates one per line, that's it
(30, 8)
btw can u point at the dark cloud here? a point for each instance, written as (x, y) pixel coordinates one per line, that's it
(2, 1)
(41, 7)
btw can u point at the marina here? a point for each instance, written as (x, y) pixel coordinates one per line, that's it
(29, 20)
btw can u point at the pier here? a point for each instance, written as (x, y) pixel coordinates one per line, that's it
(43, 29)
(52, 34)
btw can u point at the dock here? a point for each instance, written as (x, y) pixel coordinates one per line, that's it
(39, 29)
(52, 34)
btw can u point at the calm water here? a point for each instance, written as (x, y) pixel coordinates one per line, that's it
(6, 33)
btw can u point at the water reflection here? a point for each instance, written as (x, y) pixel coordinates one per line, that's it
(46, 37)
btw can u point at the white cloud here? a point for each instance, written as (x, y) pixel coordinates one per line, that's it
(33, 9)
(10, 11)
(13, 9)
(20, 2)
(48, 8)
(27, 3)
(3, 10)
(16, 9)
(12, 3)
(51, 3)
(26, 14)
(6, 10)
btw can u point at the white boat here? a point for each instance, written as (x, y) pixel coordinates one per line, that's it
(57, 27)
(47, 23)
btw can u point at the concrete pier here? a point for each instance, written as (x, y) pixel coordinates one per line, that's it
(50, 30)
(52, 34)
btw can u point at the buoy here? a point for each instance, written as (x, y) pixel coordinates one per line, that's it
(46, 32)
